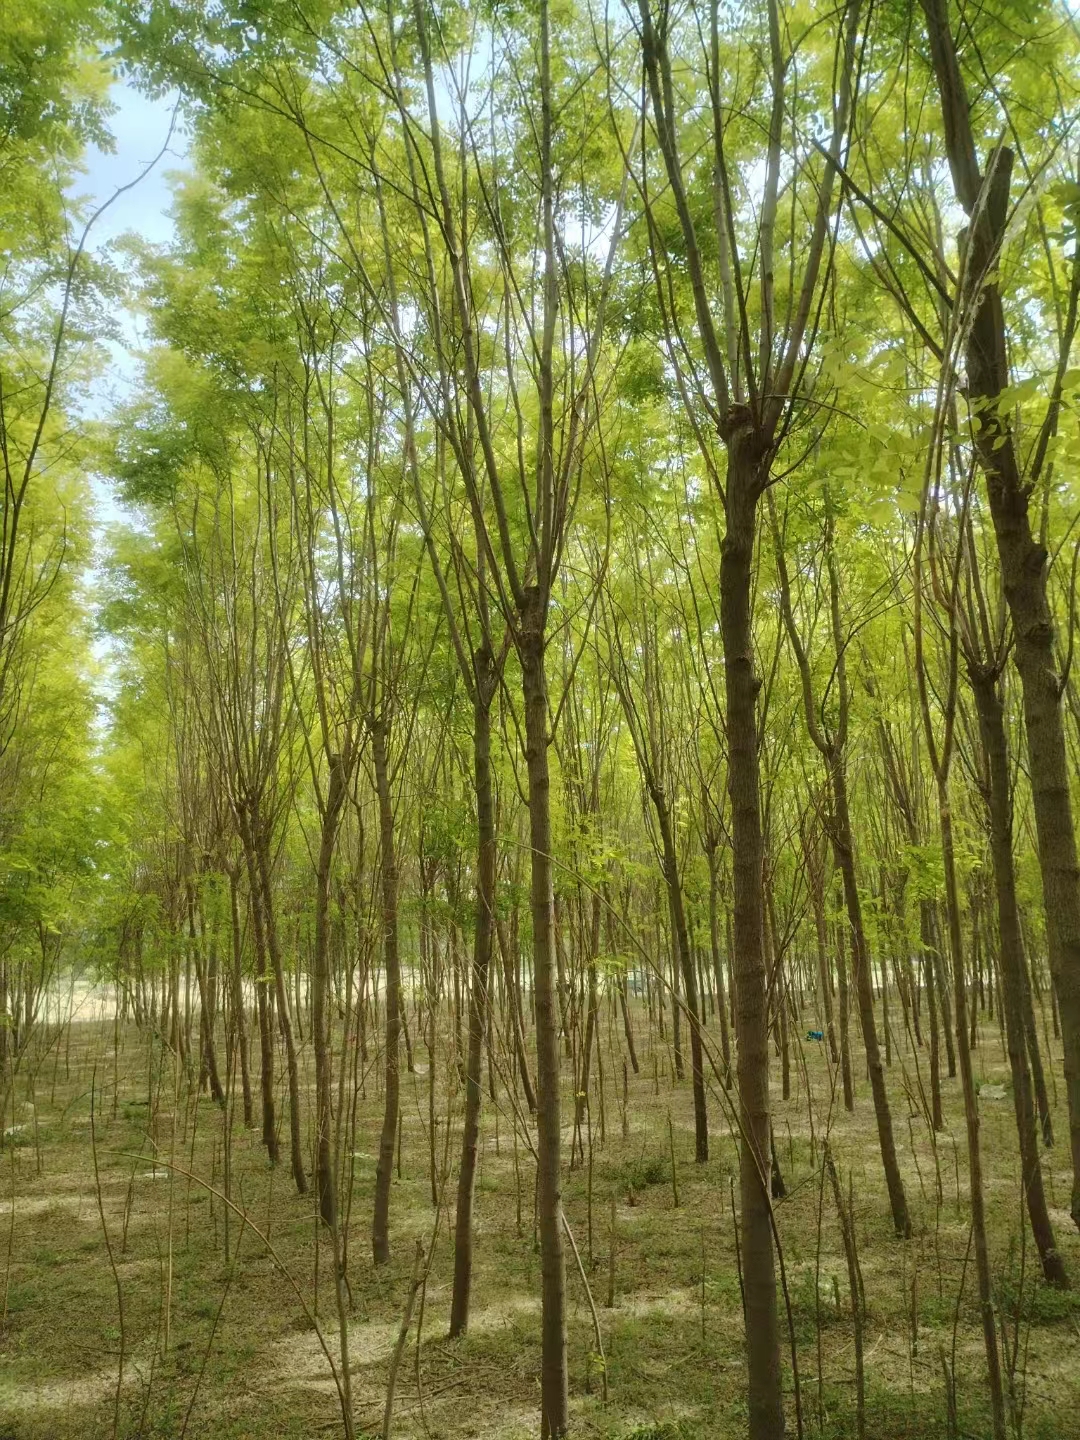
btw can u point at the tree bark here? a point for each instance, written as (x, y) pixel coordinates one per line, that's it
(554, 1384)
(718, 965)
(1011, 954)
(380, 1224)
(864, 991)
(238, 1018)
(684, 960)
(478, 998)
(277, 968)
(262, 999)
(971, 1115)
(764, 1389)
(320, 996)
(1023, 559)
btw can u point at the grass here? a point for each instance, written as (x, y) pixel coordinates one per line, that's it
(244, 1361)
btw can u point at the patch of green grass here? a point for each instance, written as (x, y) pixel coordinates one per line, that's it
(645, 1171)
(656, 1430)
(1039, 1304)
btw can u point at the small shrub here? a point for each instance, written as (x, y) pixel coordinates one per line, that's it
(649, 1170)
(656, 1430)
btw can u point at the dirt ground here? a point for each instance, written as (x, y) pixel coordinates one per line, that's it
(230, 1347)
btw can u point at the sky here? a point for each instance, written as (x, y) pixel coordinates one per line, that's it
(140, 126)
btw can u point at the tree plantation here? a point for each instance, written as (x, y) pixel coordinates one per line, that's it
(539, 734)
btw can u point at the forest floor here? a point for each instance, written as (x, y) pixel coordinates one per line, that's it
(243, 1356)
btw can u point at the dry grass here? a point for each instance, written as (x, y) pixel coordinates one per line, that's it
(673, 1338)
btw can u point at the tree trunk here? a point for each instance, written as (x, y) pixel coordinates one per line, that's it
(380, 1224)
(926, 935)
(554, 1385)
(844, 1001)
(971, 1115)
(718, 964)
(262, 998)
(684, 960)
(1024, 560)
(817, 899)
(992, 726)
(206, 1014)
(296, 1149)
(320, 996)
(864, 991)
(764, 1390)
(478, 999)
(517, 1024)
(239, 1020)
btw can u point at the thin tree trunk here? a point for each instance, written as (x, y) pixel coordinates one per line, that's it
(684, 960)
(926, 935)
(239, 1019)
(380, 1224)
(554, 1383)
(296, 1149)
(992, 726)
(262, 1001)
(718, 964)
(478, 999)
(320, 986)
(971, 1115)
(864, 992)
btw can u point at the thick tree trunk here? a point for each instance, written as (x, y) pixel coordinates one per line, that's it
(764, 1389)
(1024, 560)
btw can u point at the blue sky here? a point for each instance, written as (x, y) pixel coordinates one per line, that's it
(139, 126)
